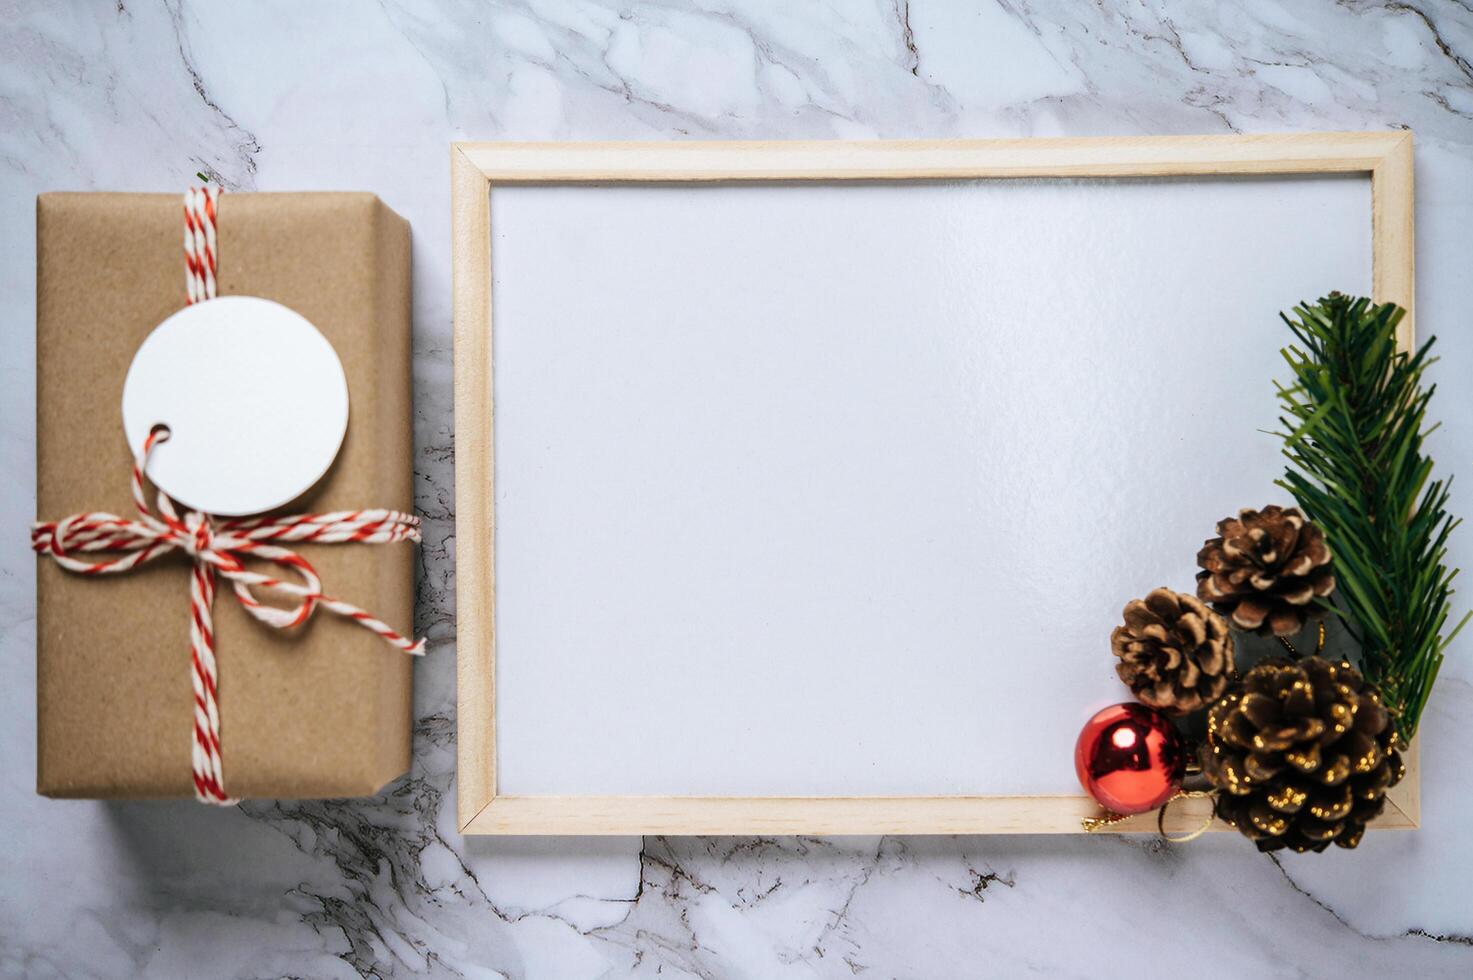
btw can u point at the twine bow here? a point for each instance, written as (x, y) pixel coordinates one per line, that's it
(218, 548)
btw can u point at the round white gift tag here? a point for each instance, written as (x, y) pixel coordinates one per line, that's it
(254, 398)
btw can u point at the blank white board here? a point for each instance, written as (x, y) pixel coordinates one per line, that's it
(838, 489)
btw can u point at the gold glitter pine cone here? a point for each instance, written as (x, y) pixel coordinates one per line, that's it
(1265, 569)
(1301, 753)
(1176, 655)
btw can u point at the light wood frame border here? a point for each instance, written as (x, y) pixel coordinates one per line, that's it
(1385, 156)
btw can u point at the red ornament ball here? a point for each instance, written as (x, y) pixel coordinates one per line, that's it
(1130, 758)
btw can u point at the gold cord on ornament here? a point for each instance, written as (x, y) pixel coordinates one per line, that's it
(1094, 825)
(1319, 645)
(1184, 794)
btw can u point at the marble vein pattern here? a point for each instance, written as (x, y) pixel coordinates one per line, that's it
(142, 94)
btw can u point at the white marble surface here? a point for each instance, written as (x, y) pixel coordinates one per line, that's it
(291, 96)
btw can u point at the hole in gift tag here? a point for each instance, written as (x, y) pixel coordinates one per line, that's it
(256, 403)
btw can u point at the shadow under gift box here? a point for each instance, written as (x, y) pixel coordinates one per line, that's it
(323, 710)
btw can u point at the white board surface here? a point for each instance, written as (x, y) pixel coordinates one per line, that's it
(838, 489)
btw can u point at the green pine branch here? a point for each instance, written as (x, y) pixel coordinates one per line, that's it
(1354, 423)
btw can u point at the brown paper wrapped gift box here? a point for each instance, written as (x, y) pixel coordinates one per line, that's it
(321, 711)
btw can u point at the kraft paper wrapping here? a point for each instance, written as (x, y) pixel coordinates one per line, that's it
(320, 711)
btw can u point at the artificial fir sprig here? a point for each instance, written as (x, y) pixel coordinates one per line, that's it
(1353, 430)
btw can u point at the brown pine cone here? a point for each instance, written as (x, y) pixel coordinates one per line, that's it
(1265, 569)
(1301, 753)
(1175, 653)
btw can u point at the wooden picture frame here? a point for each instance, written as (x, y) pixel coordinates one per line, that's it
(1385, 156)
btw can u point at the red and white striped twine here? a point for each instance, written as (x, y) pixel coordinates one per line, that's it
(199, 243)
(218, 548)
